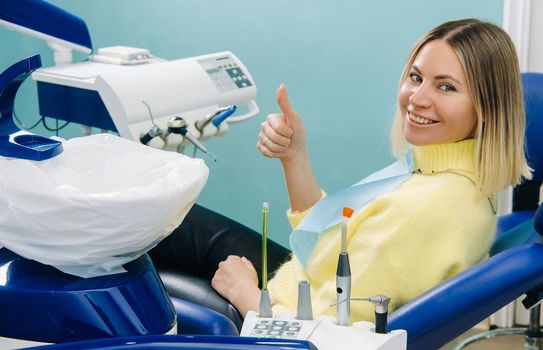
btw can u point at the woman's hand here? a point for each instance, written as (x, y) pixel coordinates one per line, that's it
(282, 135)
(237, 281)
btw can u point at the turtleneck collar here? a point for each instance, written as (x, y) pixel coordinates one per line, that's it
(455, 157)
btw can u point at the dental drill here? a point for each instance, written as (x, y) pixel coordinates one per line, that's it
(343, 275)
(178, 125)
(215, 118)
(154, 131)
(380, 303)
(265, 301)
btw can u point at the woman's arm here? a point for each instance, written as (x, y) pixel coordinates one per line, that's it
(283, 136)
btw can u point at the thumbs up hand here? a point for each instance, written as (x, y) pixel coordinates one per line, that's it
(282, 135)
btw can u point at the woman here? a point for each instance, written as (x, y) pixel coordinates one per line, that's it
(460, 110)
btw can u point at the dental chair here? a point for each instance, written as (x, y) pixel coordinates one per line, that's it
(432, 320)
(514, 268)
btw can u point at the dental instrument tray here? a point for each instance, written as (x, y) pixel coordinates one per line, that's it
(324, 332)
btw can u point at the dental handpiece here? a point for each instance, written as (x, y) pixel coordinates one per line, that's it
(228, 111)
(265, 301)
(381, 312)
(216, 117)
(343, 275)
(380, 303)
(189, 136)
(265, 214)
(178, 125)
(154, 131)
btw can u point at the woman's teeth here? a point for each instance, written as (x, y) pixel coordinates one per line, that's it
(421, 120)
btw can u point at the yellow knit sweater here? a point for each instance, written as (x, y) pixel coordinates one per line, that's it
(433, 226)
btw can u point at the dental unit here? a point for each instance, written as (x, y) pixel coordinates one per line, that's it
(40, 303)
(166, 105)
(106, 91)
(325, 332)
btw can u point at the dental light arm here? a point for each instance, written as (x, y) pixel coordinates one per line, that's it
(60, 29)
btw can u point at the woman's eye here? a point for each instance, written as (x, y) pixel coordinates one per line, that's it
(447, 87)
(415, 77)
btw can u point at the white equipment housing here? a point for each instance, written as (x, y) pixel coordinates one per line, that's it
(191, 88)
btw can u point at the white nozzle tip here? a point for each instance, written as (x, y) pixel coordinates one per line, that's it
(265, 205)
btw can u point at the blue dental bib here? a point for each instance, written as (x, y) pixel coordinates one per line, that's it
(328, 211)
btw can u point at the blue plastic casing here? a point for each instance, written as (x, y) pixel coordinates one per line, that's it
(195, 319)
(74, 105)
(27, 146)
(186, 342)
(40, 303)
(223, 115)
(42, 17)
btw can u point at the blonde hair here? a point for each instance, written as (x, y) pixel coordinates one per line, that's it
(490, 64)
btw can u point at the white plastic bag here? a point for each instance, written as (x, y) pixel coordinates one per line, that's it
(101, 203)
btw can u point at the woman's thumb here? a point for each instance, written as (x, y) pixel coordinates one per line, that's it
(284, 104)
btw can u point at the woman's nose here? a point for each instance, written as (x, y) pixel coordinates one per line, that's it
(420, 97)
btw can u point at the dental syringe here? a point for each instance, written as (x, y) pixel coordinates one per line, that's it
(343, 275)
(265, 301)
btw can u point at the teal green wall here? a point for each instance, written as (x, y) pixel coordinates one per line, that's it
(340, 61)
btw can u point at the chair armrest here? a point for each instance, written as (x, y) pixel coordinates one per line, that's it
(198, 291)
(451, 308)
(196, 319)
(509, 221)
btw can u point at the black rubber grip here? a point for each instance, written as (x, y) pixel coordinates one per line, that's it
(381, 323)
(145, 138)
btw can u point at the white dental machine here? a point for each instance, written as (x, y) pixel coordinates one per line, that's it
(149, 99)
(164, 104)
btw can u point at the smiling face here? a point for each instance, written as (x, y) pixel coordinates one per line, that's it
(434, 99)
